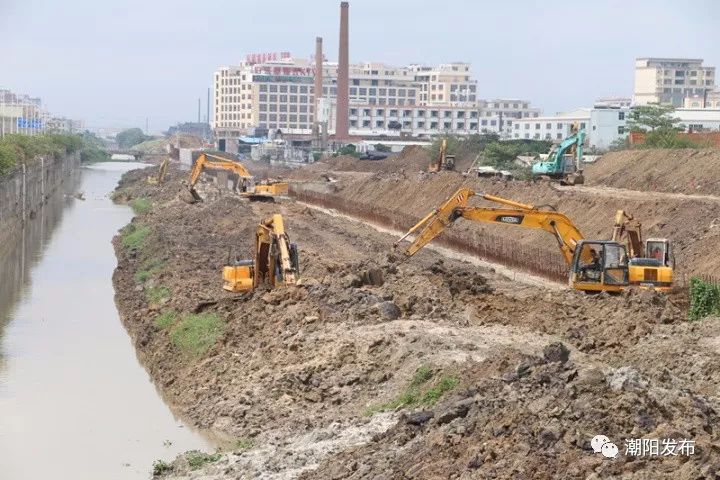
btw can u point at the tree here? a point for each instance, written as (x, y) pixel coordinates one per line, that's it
(501, 154)
(652, 117)
(131, 137)
(380, 147)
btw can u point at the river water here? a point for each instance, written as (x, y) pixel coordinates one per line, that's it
(75, 403)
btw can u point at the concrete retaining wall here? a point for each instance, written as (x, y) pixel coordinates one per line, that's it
(25, 190)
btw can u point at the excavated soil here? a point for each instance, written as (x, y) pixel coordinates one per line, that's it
(692, 223)
(686, 171)
(307, 379)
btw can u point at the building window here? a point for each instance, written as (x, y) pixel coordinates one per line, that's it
(537, 126)
(433, 125)
(447, 125)
(273, 88)
(621, 115)
(559, 136)
(483, 122)
(621, 130)
(379, 111)
(582, 124)
(493, 123)
(460, 126)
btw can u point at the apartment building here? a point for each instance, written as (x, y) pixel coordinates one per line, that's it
(671, 80)
(446, 84)
(276, 92)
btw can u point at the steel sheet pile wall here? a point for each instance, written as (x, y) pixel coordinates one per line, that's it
(502, 250)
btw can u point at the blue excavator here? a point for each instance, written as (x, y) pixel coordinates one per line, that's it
(564, 163)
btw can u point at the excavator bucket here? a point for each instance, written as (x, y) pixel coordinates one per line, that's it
(576, 178)
(189, 195)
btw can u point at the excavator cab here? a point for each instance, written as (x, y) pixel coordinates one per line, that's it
(599, 265)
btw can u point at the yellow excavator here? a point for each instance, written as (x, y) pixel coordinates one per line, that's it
(162, 173)
(276, 262)
(244, 185)
(651, 262)
(594, 265)
(443, 160)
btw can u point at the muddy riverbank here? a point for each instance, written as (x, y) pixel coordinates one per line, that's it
(443, 369)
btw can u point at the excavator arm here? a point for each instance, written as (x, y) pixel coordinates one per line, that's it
(207, 161)
(521, 215)
(627, 227)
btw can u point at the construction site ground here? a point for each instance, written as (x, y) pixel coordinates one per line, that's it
(433, 367)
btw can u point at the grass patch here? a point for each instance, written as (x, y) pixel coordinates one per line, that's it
(195, 334)
(149, 269)
(133, 236)
(141, 205)
(160, 467)
(157, 294)
(420, 391)
(435, 393)
(244, 444)
(166, 320)
(197, 459)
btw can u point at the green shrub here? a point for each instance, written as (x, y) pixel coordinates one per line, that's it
(197, 333)
(165, 320)
(133, 236)
(160, 467)
(8, 158)
(93, 154)
(141, 205)
(704, 299)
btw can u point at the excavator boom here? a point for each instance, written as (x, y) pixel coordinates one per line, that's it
(521, 215)
(593, 265)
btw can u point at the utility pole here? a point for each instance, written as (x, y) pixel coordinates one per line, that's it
(147, 125)
(198, 110)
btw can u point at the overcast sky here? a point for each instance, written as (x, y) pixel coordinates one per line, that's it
(115, 63)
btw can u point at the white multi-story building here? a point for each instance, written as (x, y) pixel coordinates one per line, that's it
(602, 126)
(276, 92)
(671, 80)
(447, 84)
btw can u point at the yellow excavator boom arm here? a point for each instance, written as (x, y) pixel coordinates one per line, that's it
(208, 161)
(521, 215)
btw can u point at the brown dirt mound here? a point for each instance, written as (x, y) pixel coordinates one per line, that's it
(524, 417)
(680, 171)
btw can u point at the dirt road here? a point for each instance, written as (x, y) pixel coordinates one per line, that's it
(442, 370)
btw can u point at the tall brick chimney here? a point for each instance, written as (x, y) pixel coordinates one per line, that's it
(318, 78)
(343, 80)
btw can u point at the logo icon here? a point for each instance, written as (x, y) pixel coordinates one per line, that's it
(602, 444)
